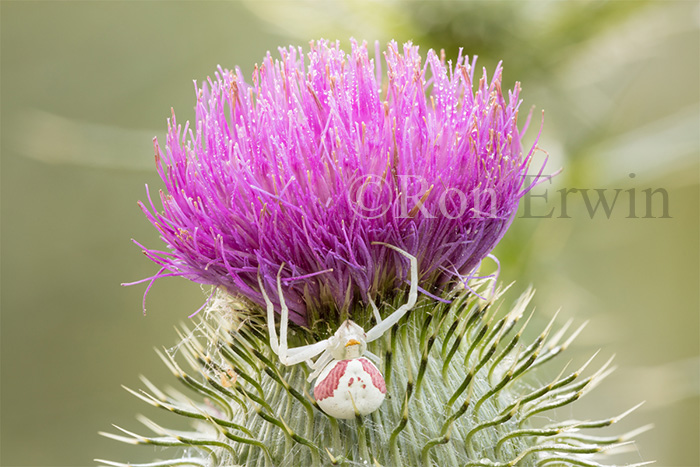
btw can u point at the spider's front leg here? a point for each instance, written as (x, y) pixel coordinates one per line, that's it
(382, 326)
(279, 346)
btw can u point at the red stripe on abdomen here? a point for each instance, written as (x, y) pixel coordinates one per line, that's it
(329, 384)
(377, 378)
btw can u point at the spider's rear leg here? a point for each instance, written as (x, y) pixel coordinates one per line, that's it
(304, 353)
(319, 365)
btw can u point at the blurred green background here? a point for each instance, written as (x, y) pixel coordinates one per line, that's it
(86, 85)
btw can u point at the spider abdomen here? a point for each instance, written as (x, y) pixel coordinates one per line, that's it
(345, 385)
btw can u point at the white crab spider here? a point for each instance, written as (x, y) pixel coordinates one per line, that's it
(346, 382)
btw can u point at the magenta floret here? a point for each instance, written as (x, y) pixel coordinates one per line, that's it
(320, 158)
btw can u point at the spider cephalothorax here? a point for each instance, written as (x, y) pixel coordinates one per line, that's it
(349, 341)
(347, 383)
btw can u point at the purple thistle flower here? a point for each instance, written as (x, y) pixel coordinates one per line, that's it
(319, 159)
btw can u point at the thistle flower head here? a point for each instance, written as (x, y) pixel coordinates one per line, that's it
(321, 159)
(307, 182)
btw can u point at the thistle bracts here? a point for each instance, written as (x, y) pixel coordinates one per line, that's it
(464, 387)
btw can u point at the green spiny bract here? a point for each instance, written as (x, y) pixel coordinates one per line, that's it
(463, 388)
